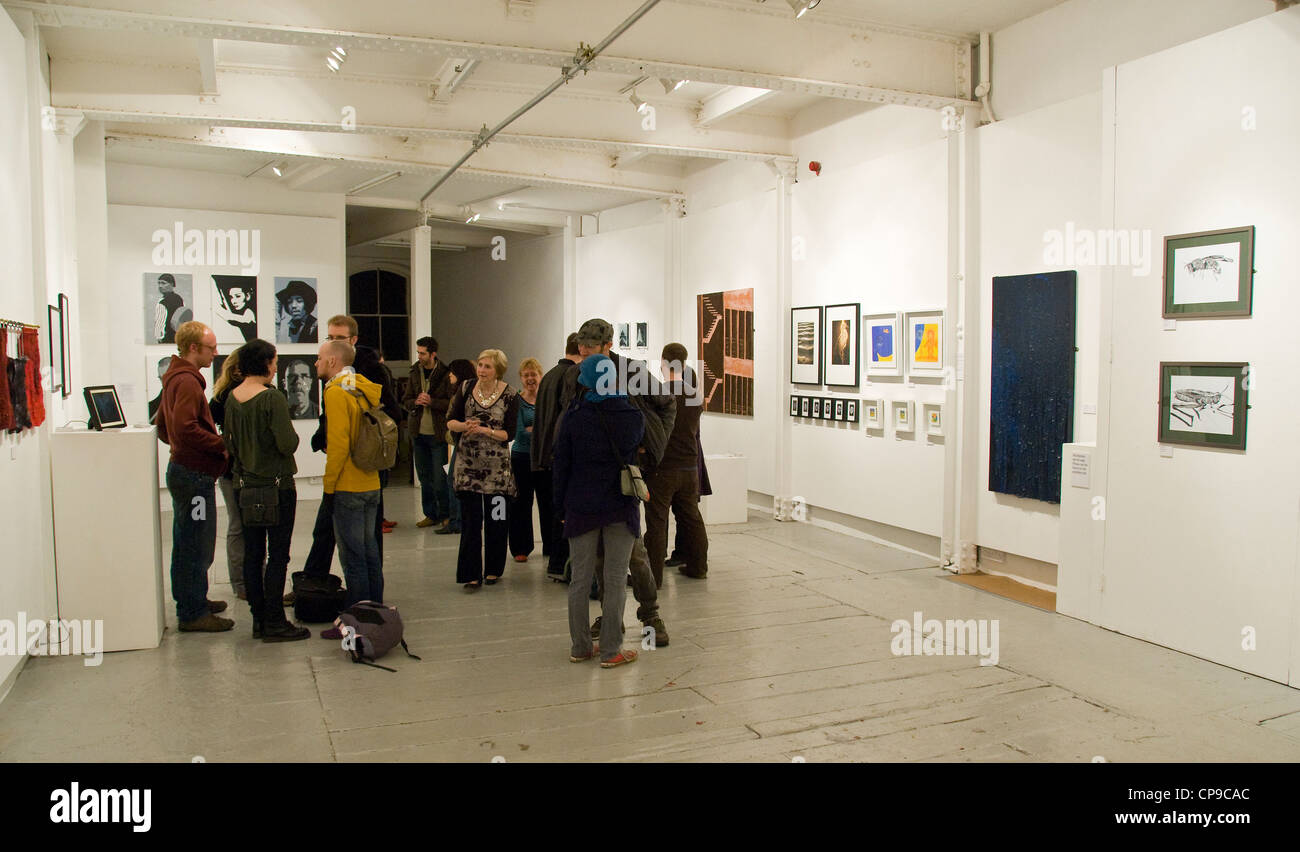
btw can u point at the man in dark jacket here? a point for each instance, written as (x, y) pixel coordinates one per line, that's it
(544, 427)
(198, 457)
(646, 393)
(428, 394)
(368, 364)
(675, 482)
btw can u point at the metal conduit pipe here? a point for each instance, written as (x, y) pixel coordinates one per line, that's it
(581, 59)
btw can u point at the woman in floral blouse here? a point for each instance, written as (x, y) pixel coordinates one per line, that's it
(484, 412)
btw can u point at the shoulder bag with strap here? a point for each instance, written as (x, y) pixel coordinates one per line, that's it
(630, 480)
(259, 505)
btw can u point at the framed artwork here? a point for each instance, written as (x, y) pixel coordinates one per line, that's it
(725, 324)
(1203, 404)
(903, 421)
(925, 343)
(794, 406)
(880, 341)
(805, 406)
(934, 420)
(828, 408)
(168, 304)
(806, 345)
(234, 308)
(839, 409)
(295, 310)
(851, 411)
(817, 408)
(842, 344)
(1209, 274)
(54, 331)
(873, 411)
(65, 348)
(642, 335)
(156, 363)
(622, 335)
(298, 380)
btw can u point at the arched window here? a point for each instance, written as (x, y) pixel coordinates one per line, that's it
(378, 300)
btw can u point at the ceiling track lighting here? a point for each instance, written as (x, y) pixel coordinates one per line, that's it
(474, 217)
(802, 6)
(277, 169)
(373, 182)
(641, 105)
(670, 85)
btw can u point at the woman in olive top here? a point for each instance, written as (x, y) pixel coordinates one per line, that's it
(262, 440)
(521, 508)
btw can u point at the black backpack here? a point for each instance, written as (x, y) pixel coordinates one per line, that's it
(317, 599)
(371, 630)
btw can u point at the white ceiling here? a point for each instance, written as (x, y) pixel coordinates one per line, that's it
(235, 87)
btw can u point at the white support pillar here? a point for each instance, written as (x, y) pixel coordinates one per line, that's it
(571, 321)
(962, 482)
(784, 461)
(674, 297)
(421, 285)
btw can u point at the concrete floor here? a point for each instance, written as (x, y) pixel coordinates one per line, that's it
(783, 653)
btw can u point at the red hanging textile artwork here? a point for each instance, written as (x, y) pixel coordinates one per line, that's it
(6, 410)
(31, 350)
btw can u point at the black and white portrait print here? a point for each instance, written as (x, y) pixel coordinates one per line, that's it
(297, 378)
(234, 308)
(168, 303)
(295, 310)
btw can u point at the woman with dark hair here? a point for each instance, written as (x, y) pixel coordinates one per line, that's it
(262, 441)
(227, 381)
(462, 370)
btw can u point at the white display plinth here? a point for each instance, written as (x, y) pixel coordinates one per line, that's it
(107, 544)
(729, 503)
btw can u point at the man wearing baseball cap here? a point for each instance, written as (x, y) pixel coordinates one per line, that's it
(646, 393)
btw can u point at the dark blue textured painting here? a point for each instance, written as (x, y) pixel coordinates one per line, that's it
(1033, 383)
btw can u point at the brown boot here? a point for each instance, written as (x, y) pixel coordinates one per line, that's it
(209, 623)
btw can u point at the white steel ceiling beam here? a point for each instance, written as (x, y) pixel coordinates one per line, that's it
(207, 50)
(730, 101)
(761, 51)
(366, 107)
(571, 171)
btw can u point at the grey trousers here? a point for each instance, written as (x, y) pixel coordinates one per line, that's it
(234, 534)
(644, 587)
(616, 541)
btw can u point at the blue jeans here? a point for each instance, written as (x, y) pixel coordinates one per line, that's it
(355, 514)
(429, 452)
(194, 538)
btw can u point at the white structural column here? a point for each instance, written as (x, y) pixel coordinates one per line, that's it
(91, 320)
(674, 298)
(421, 284)
(571, 226)
(785, 176)
(961, 401)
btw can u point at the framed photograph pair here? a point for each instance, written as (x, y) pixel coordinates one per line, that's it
(825, 345)
(898, 341)
(1204, 404)
(824, 408)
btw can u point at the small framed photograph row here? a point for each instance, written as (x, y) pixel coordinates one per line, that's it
(824, 408)
(829, 344)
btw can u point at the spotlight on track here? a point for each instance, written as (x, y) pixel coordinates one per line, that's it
(802, 6)
(337, 56)
(641, 106)
(277, 169)
(671, 85)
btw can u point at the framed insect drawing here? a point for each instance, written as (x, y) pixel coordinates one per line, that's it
(1204, 404)
(1209, 274)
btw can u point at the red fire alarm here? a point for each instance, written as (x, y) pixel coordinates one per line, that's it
(815, 167)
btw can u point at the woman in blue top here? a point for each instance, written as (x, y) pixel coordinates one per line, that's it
(598, 435)
(521, 508)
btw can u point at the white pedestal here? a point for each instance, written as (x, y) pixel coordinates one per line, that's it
(107, 542)
(729, 503)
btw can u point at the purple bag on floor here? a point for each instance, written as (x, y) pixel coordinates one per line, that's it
(371, 630)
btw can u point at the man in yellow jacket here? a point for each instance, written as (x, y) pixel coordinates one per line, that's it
(356, 491)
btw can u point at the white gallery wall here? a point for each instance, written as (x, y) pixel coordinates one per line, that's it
(26, 568)
(1200, 547)
(622, 278)
(513, 304)
(1039, 178)
(872, 229)
(290, 247)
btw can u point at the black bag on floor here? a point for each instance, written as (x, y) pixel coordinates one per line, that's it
(317, 599)
(371, 630)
